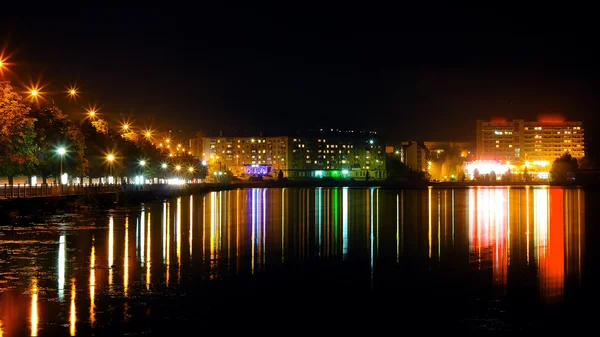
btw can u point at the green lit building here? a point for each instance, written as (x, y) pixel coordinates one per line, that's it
(337, 154)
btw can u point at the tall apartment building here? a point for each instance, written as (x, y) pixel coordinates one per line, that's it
(520, 141)
(237, 153)
(337, 153)
(415, 155)
(196, 145)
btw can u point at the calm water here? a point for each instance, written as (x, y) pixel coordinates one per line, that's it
(326, 259)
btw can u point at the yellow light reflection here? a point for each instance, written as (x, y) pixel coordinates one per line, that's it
(178, 225)
(168, 239)
(93, 283)
(148, 261)
(126, 259)
(282, 224)
(213, 211)
(527, 220)
(73, 314)
(397, 228)
(111, 242)
(429, 219)
(34, 308)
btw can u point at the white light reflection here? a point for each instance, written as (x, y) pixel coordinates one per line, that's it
(61, 267)
(142, 237)
(191, 224)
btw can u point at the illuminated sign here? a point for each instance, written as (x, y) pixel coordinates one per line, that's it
(259, 169)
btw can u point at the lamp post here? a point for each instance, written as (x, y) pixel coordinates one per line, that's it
(35, 93)
(110, 159)
(61, 152)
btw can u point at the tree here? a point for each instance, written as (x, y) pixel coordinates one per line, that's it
(55, 130)
(17, 137)
(562, 166)
(476, 175)
(508, 176)
(493, 178)
(96, 142)
(526, 175)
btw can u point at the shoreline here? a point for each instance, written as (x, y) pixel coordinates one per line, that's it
(26, 209)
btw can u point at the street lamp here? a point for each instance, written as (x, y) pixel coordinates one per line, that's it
(35, 93)
(110, 159)
(61, 152)
(72, 92)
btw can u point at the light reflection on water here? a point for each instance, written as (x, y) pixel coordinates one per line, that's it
(218, 236)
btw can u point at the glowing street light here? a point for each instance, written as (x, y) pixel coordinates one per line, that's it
(190, 169)
(142, 163)
(125, 126)
(110, 157)
(164, 166)
(72, 92)
(178, 168)
(61, 152)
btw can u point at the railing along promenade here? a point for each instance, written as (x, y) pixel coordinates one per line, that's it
(54, 190)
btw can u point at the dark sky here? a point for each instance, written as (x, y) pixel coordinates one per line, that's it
(410, 73)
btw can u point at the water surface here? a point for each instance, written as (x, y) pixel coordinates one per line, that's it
(319, 259)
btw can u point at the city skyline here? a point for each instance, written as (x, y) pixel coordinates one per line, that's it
(274, 70)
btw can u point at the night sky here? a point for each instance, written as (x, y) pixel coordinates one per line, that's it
(423, 74)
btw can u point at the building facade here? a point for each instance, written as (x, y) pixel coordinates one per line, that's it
(521, 141)
(196, 145)
(235, 154)
(337, 153)
(415, 155)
